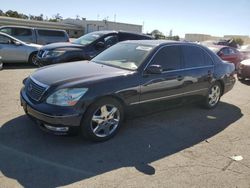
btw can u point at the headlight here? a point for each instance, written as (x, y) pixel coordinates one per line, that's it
(53, 53)
(66, 97)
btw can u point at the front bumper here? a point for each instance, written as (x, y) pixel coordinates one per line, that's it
(48, 61)
(54, 116)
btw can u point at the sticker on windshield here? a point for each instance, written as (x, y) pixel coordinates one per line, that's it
(144, 48)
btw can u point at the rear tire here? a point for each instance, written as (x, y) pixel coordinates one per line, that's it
(102, 119)
(213, 96)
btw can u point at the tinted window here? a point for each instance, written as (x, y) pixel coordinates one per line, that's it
(51, 33)
(6, 30)
(225, 51)
(207, 59)
(110, 40)
(195, 57)
(169, 58)
(4, 40)
(21, 32)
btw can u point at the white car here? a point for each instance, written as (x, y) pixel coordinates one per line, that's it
(13, 50)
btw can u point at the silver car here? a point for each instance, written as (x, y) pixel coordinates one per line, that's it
(13, 50)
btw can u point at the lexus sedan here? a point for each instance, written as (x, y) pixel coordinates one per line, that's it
(93, 95)
(13, 50)
(85, 47)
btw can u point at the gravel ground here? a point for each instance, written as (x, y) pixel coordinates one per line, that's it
(183, 147)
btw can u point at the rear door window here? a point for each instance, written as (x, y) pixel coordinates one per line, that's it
(51, 33)
(194, 56)
(21, 32)
(169, 58)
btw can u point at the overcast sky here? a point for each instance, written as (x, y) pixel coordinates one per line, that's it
(215, 17)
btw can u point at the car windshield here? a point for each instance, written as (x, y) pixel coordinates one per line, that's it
(88, 38)
(124, 55)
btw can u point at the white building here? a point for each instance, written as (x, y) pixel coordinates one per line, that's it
(94, 25)
(74, 27)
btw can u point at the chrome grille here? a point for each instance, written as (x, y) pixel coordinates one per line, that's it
(35, 89)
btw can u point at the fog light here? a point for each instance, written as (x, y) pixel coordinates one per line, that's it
(57, 129)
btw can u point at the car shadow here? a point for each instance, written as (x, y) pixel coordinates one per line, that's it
(246, 82)
(7, 66)
(37, 159)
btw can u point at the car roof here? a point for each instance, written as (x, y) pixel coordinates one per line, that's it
(158, 42)
(16, 26)
(26, 27)
(104, 32)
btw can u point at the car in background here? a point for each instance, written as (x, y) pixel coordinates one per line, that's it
(13, 50)
(36, 35)
(92, 97)
(245, 50)
(85, 47)
(227, 53)
(244, 70)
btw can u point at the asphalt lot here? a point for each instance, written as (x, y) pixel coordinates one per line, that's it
(186, 146)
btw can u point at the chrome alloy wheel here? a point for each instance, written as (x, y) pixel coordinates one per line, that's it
(214, 95)
(105, 120)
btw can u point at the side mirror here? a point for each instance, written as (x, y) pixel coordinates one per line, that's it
(100, 45)
(17, 43)
(154, 69)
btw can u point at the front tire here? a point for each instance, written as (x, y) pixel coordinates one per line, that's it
(33, 59)
(102, 120)
(213, 96)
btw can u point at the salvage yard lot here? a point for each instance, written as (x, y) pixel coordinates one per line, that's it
(183, 147)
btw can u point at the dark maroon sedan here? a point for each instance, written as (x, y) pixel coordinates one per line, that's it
(227, 53)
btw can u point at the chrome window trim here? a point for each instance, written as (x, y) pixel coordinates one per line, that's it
(169, 96)
(166, 45)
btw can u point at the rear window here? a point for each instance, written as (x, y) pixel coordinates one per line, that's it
(51, 33)
(21, 32)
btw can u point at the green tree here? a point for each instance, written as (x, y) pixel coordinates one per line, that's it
(239, 41)
(157, 34)
(176, 38)
(1, 13)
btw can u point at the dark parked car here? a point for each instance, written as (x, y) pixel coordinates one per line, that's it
(227, 53)
(93, 95)
(244, 70)
(85, 47)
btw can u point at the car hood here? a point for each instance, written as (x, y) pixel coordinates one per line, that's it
(245, 62)
(61, 45)
(34, 45)
(76, 72)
